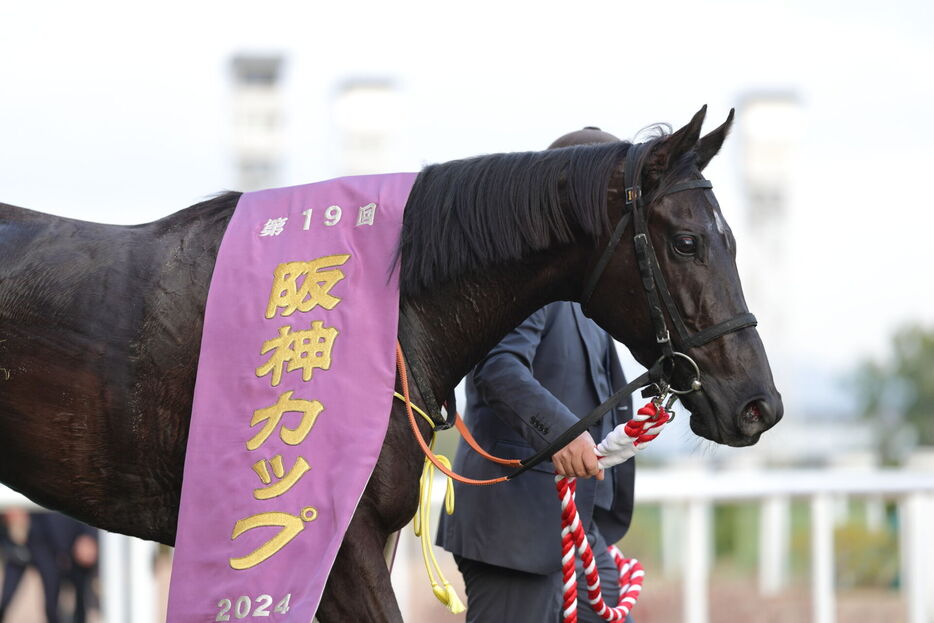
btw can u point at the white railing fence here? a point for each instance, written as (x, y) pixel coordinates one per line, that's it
(692, 494)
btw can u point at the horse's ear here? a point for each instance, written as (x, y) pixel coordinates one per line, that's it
(672, 147)
(709, 145)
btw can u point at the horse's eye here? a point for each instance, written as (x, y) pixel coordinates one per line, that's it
(686, 245)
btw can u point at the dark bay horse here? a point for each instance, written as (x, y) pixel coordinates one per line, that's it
(100, 327)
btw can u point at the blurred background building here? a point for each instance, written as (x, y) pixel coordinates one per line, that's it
(257, 120)
(366, 115)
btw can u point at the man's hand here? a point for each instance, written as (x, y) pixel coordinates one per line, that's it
(84, 551)
(578, 458)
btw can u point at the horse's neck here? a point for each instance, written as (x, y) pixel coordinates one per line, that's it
(459, 323)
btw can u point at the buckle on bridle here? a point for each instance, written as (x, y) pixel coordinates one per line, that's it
(633, 193)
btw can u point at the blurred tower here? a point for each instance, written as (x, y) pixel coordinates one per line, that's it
(367, 119)
(769, 127)
(257, 120)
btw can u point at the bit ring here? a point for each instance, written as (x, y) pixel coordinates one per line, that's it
(695, 384)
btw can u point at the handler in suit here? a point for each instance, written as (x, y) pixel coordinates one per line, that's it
(539, 380)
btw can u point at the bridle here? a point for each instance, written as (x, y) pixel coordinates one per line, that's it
(650, 272)
(658, 295)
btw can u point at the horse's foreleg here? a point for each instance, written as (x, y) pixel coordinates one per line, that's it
(359, 587)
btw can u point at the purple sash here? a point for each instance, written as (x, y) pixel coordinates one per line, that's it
(292, 398)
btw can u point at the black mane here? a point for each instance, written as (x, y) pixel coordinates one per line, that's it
(467, 214)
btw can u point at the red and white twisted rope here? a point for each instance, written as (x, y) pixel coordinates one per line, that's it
(619, 445)
(628, 438)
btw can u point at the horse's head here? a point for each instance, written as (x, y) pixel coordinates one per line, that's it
(687, 286)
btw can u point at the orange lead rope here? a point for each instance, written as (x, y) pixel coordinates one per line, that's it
(468, 437)
(404, 380)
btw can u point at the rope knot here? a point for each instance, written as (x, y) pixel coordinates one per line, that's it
(647, 423)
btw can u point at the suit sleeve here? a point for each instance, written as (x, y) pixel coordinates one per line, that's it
(506, 383)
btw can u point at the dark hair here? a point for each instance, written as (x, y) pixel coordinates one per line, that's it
(467, 214)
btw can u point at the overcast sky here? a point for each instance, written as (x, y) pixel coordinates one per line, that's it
(119, 112)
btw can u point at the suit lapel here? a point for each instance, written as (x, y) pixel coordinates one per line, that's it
(591, 338)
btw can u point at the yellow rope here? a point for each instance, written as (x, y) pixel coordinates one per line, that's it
(422, 522)
(417, 410)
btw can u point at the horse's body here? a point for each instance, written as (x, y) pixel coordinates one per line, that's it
(100, 328)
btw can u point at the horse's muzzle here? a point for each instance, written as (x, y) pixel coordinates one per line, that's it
(755, 416)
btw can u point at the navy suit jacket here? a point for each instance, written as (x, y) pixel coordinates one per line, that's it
(539, 380)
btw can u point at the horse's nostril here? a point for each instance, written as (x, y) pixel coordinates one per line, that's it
(752, 414)
(756, 417)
